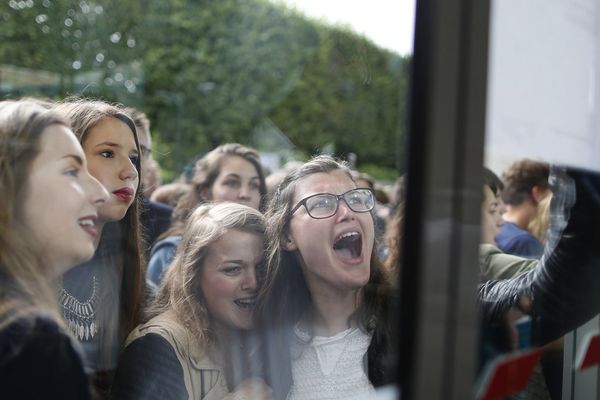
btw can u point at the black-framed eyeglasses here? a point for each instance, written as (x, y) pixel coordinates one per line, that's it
(324, 205)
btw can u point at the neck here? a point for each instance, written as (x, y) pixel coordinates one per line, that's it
(223, 333)
(99, 228)
(332, 310)
(519, 215)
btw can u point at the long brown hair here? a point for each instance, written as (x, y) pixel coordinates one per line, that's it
(284, 295)
(23, 284)
(180, 291)
(120, 243)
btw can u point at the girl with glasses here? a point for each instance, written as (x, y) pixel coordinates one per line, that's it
(325, 295)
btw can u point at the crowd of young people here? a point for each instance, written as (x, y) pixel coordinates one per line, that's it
(285, 299)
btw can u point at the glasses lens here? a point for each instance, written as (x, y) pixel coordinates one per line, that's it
(321, 206)
(360, 200)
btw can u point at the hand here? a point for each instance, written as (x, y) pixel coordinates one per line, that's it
(252, 388)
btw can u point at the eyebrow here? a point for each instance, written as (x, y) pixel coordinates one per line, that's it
(77, 159)
(234, 262)
(112, 144)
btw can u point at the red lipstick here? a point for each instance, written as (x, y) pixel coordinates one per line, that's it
(124, 193)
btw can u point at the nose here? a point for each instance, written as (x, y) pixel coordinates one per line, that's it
(97, 193)
(249, 283)
(344, 212)
(128, 171)
(244, 193)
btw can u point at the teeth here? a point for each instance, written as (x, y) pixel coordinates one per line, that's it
(345, 235)
(245, 302)
(86, 222)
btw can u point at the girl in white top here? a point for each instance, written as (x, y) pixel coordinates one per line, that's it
(324, 297)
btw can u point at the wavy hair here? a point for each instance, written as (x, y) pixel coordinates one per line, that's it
(23, 281)
(180, 291)
(521, 177)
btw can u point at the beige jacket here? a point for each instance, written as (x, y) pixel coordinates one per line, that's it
(203, 378)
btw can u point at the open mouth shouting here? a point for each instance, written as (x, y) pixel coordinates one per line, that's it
(348, 247)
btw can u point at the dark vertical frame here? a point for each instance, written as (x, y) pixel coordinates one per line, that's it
(438, 322)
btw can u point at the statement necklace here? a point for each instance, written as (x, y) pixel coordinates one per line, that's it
(81, 316)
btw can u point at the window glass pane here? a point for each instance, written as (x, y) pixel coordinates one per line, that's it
(181, 108)
(542, 141)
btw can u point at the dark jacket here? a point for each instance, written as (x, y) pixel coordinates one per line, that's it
(39, 360)
(155, 218)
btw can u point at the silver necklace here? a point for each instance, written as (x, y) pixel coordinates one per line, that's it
(81, 316)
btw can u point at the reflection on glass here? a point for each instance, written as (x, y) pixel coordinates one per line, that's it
(272, 77)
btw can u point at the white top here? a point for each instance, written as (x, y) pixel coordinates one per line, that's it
(330, 367)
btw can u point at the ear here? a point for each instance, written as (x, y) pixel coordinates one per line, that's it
(288, 243)
(537, 194)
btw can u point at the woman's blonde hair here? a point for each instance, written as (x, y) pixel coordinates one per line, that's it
(22, 279)
(540, 223)
(180, 291)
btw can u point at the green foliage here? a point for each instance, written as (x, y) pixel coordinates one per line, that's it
(208, 72)
(380, 173)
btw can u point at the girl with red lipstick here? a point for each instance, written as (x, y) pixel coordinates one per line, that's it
(230, 172)
(102, 299)
(189, 349)
(48, 206)
(323, 303)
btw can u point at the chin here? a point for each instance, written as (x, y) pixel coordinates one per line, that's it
(113, 215)
(241, 325)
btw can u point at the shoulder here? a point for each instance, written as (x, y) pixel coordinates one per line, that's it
(161, 208)
(167, 243)
(26, 330)
(173, 333)
(494, 264)
(154, 209)
(149, 369)
(514, 240)
(36, 355)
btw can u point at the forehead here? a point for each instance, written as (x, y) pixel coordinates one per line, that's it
(237, 245)
(488, 195)
(110, 129)
(335, 182)
(58, 141)
(237, 165)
